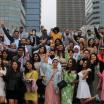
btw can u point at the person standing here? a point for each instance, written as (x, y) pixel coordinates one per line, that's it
(30, 77)
(52, 77)
(14, 38)
(83, 91)
(2, 83)
(69, 75)
(41, 87)
(13, 83)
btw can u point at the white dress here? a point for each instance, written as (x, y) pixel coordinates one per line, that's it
(2, 83)
(83, 90)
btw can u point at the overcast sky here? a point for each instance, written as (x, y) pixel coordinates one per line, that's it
(48, 13)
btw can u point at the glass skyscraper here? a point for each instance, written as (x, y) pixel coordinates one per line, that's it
(33, 14)
(12, 13)
(94, 12)
(70, 13)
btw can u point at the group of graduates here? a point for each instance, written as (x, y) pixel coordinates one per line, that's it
(59, 67)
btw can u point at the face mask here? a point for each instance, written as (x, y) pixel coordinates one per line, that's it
(52, 56)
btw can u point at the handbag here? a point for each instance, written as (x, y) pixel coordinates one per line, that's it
(31, 85)
(62, 84)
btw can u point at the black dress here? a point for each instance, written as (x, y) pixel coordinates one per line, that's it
(13, 84)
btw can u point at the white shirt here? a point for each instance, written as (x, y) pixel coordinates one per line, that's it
(16, 41)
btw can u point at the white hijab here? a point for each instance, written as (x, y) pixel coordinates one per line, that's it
(75, 56)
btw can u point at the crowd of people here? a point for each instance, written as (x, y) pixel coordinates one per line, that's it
(59, 67)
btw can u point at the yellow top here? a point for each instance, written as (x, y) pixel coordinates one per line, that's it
(32, 96)
(55, 36)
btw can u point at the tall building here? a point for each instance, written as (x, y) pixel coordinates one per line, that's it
(33, 14)
(12, 13)
(94, 12)
(70, 13)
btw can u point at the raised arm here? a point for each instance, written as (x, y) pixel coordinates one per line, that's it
(44, 64)
(44, 67)
(97, 34)
(7, 33)
(72, 38)
(86, 74)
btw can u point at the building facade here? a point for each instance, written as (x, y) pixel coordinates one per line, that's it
(12, 13)
(94, 12)
(33, 14)
(70, 13)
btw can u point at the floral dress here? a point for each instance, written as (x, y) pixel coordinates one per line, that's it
(67, 92)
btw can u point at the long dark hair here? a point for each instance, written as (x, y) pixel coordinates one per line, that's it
(89, 42)
(45, 50)
(8, 58)
(59, 41)
(73, 67)
(18, 65)
(58, 52)
(88, 62)
(96, 62)
(26, 69)
(39, 59)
